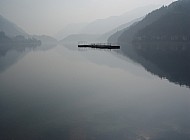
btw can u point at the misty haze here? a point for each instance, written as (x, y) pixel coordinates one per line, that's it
(62, 79)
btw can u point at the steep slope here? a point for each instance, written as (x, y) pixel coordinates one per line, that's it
(173, 26)
(10, 28)
(169, 21)
(113, 38)
(128, 34)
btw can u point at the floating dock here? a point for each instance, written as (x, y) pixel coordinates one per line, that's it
(99, 46)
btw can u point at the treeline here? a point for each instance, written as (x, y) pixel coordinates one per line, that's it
(173, 26)
(18, 42)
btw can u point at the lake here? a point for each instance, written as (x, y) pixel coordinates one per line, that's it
(87, 94)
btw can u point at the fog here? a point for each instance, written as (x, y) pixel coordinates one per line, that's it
(55, 90)
(50, 16)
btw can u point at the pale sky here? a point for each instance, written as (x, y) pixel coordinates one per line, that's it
(50, 16)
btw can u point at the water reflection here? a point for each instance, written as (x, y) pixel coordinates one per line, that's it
(11, 55)
(166, 60)
(63, 94)
(10, 58)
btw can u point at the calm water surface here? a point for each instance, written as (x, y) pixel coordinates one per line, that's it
(61, 94)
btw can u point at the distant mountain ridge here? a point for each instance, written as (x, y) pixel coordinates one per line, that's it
(103, 26)
(100, 30)
(76, 38)
(46, 39)
(10, 28)
(74, 28)
(95, 38)
(118, 30)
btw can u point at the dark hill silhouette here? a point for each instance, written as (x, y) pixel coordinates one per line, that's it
(168, 23)
(173, 26)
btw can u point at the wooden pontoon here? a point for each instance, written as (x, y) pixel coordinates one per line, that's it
(99, 46)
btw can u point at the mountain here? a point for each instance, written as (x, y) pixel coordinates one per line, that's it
(102, 26)
(9, 28)
(129, 33)
(160, 42)
(70, 29)
(113, 38)
(93, 38)
(18, 42)
(12, 35)
(46, 39)
(173, 26)
(168, 23)
(76, 38)
(118, 31)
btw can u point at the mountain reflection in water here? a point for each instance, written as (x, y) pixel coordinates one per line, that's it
(88, 95)
(166, 60)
